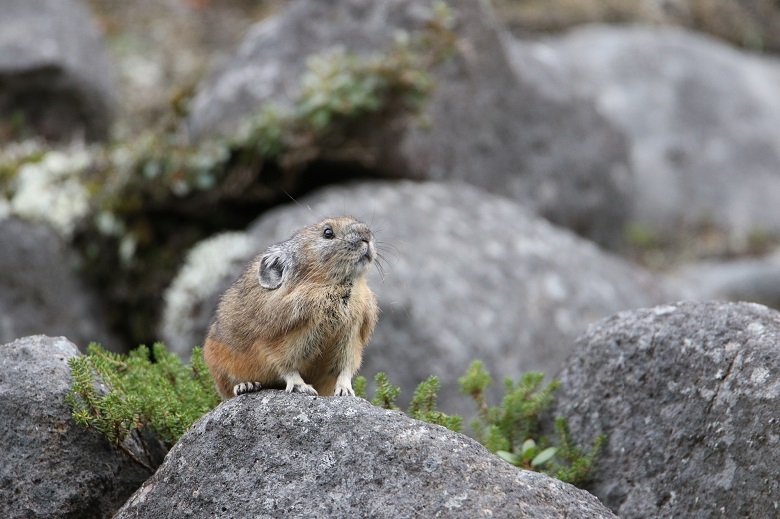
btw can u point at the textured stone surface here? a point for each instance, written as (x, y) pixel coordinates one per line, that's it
(702, 119)
(53, 69)
(40, 291)
(689, 397)
(272, 454)
(468, 275)
(489, 125)
(49, 466)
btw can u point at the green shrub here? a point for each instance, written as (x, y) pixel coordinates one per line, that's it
(117, 395)
(423, 404)
(512, 429)
(153, 390)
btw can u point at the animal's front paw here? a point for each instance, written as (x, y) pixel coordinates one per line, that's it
(306, 389)
(246, 387)
(295, 384)
(342, 390)
(344, 384)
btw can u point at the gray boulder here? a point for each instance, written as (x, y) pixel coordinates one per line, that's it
(467, 275)
(49, 466)
(688, 395)
(756, 280)
(40, 292)
(273, 454)
(488, 126)
(702, 119)
(54, 70)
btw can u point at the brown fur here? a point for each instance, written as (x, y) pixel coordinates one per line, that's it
(316, 323)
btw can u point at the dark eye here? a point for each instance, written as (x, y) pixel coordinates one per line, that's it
(328, 233)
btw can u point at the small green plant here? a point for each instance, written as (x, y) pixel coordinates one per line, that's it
(153, 390)
(423, 404)
(117, 395)
(508, 430)
(386, 393)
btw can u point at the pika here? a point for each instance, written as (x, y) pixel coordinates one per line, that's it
(299, 316)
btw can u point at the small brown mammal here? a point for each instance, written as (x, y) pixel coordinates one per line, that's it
(299, 316)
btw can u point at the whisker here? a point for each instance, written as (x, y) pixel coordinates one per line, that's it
(383, 252)
(381, 270)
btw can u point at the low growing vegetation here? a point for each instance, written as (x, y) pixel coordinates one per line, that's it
(147, 390)
(154, 391)
(512, 429)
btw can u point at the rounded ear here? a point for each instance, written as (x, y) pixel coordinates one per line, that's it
(271, 271)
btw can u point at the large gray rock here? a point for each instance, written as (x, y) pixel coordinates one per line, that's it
(689, 397)
(467, 275)
(49, 466)
(40, 292)
(54, 70)
(702, 119)
(273, 454)
(756, 280)
(488, 126)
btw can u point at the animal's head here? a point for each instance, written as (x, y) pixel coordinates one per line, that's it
(333, 250)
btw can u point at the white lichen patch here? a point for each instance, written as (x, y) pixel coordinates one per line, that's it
(51, 190)
(756, 329)
(759, 376)
(664, 310)
(205, 269)
(327, 461)
(457, 501)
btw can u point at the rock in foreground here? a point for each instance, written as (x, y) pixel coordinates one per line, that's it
(49, 466)
(689, 397)
(272, 454)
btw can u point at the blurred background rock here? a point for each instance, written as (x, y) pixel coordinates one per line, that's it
(163, 47)
(676, 178)
(752, 24)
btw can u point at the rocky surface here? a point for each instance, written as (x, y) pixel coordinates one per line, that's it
(273, 454)
(467, 275)
(701, 118)
(49, 466)
(688, 395)
(54, 72)
(487, 125)
(40, 291)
